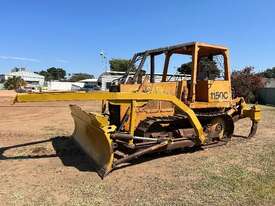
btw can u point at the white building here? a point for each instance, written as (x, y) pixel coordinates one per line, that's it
(31, 78)
(72, 86)
(270, 82)
(105, 79)
(64, 86)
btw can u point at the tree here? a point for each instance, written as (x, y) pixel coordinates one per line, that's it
(208, 66)
(56, 73)
(80, 76)
(268, 73)
(120, 65)
(2, 79)
(185, 68)
(16, 69)
(245, 83)
(14, 83)
(45, 74)
(53, 74)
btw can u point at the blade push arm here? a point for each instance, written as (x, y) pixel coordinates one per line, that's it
(117, 97)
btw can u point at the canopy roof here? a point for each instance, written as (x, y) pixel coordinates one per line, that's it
(186, 48)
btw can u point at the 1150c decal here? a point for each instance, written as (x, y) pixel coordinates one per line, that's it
(219, 95)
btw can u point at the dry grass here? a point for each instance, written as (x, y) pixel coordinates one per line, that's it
(240, 173)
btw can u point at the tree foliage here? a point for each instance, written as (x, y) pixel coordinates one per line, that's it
(205, 64)
(14, 83)
(53, 74)
(80, 76)
(268, 73)
(2, 79)
(245, 84)
(185, 68)
(120, 65)
(17, 69)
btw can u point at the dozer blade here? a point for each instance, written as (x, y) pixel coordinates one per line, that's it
(92, 133)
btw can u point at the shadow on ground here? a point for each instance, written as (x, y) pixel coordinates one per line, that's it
(71, 155)
(65, 149)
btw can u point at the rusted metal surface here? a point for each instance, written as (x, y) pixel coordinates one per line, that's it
(180, 144)
(141, 152)
(127, 137)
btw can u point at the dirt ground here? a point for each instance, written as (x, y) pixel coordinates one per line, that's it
(54, 172)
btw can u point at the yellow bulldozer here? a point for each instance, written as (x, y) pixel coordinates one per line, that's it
(144, 114)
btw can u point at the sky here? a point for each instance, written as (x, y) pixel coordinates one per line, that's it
(72, 33)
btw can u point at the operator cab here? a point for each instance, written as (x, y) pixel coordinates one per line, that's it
(206, 76)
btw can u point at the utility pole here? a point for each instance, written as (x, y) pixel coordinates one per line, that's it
(104, 60)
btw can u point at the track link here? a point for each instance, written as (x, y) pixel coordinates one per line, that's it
(151, 126)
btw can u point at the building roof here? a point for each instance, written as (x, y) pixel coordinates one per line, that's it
(88, 80)
(26, 74)
(116, 73)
